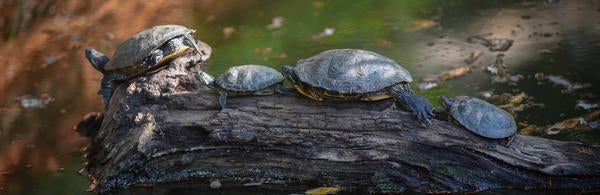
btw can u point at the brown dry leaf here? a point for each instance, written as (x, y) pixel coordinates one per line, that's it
(420, 24)
(455, 73)
(584, 150)
(322, 191)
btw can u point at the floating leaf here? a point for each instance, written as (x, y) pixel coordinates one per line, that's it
(322, 191)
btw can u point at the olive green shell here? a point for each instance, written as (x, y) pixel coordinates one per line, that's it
(351, 71)
(247, 78)
(136, 48)
(482, 117)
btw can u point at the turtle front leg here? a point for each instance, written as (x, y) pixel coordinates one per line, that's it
(109, 83)
(223, 99)
(106, 89)
(418, 105)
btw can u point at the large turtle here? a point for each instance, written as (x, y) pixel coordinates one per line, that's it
(352, 74)
(146, 52)
(245, 80)
(482, 118)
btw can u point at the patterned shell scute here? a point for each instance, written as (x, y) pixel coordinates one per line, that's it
(351, 71)
(483, 118)
(140, 45)
(249, 78)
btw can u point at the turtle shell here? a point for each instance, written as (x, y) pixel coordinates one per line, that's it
(351, 71)
(482, 117)
(249, 78)
(136, 48)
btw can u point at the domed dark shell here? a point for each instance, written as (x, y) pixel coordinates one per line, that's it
(136, 48)
(351, 71)
(249, 78)
(482, 117)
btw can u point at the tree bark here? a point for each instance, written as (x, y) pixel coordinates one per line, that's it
(166, 127)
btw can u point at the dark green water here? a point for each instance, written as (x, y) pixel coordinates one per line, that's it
(238, 32)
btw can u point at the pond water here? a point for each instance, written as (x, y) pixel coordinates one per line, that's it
(554, 42)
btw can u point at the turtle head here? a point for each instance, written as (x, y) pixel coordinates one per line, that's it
(96, 58)
(201, 48)
(206, 79)
(446, 102)
(289, 74)
(205, 50)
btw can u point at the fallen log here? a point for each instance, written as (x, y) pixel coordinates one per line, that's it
(166, 127)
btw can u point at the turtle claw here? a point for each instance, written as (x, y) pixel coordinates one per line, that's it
(421, 108)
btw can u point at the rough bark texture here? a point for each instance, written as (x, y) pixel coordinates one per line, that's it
(165, 127)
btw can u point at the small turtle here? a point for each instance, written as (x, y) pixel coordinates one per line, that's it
(482, 118)
(245, 80)
(146, 52)
(352, 74)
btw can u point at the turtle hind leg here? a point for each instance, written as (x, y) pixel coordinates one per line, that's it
(491, 143)
(223, 99)
(507, 141)
(418, 105)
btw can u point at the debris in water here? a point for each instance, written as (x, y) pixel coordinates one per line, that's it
(385, 43)
(594, 124)
(263, 51)
(427, 85)
(498, 67)
(516, 103)
(518, 99)
(257, 183)
(277, 22)
(327, 32)
(539, 76)
(492, 69)
(49, 60)
(215, 184)
(473, 57)
(494, 44)
(420, 24)
(436, 80)
(516, 78)
(322, 191)
(486, 94)
(34, 102)
(585, 105)
(569, 86)
(584, 150)
(455, 73)
(566, 124)
(228, 31)
(78, 38)
(318, 4)
(530, 129)
(479, 40)
(500, 44)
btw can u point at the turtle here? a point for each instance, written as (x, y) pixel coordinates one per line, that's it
(354, 74)
(245, 80)
(145, 52)
(481, 118)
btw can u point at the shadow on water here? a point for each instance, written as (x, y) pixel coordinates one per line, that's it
(41, 54)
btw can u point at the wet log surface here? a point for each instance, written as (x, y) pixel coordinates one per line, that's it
(166, 127)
